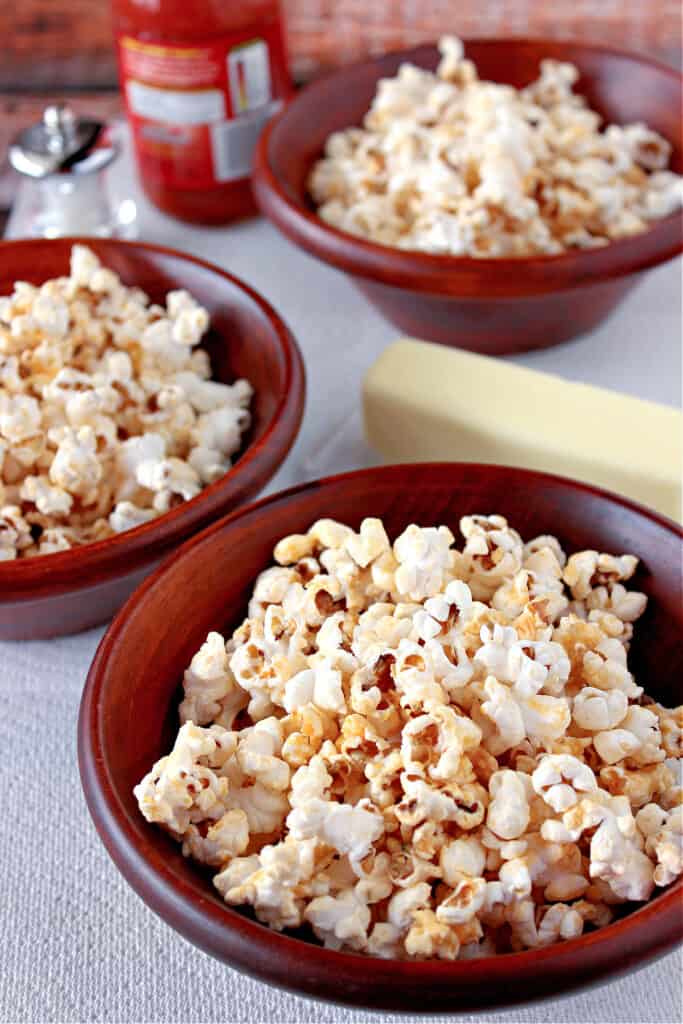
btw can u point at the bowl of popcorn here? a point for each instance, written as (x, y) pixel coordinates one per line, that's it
(499, 196)
(419, 748)
(143, 394)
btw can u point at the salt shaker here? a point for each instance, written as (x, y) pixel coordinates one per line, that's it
(63, 159)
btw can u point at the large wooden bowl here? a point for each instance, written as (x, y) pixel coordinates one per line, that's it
(129, 718)
(493, 306)
(73, 590)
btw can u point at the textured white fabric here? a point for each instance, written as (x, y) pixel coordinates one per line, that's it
(76, 944)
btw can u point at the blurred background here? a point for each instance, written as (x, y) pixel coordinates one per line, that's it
(62, 49)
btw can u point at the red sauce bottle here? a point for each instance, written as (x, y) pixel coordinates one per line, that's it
(200, 79)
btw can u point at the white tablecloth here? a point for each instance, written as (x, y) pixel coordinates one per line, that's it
(77, 945)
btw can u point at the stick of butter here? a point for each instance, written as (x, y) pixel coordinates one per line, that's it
(424, 402)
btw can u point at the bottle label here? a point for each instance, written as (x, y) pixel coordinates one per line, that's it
(197, 111)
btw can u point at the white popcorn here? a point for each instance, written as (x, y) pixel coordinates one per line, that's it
(515, 879)
(596, 710)
(449, 164)
(226, 838)
(559, 922)
(321, 686)
(126, 516)
(15, 533)
(423, 557)
(350, 830)
(341, 920)
(84, 263)
(75, 466)
(257, 755)
(51, 315)
(405, 903)
(666, 844)
(464, 856)
(505, 713)
(560, 778)
(106, 418)
(503, 656)
(51, 501)
(644, 725)
(171, 475)
(264, 807)
(211, 692)
(413, 765)
(508, 812)
(615, 744)
(19, 418)
(184, 787)
(588, 569)
(189, 325)
(369, 543)
(617, 860)
(220, 429)
(464, 902)
(268, 881)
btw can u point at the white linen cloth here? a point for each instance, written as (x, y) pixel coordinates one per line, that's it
(77, 945)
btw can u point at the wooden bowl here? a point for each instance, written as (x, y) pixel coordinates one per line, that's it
(129, 718)
(66, 592)
(493, 306)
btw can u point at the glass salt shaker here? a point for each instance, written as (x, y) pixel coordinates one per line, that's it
(64, 161)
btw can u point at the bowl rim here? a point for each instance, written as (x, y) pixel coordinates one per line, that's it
(228, 935)
(443, 274)
(28, 577)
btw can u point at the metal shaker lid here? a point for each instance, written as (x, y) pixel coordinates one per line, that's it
(60, 141)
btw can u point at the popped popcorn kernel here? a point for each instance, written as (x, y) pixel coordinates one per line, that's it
(418, 752)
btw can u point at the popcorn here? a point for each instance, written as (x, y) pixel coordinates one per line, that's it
(616, 859)
(211, 691)
(417, 751)
(274, 882)
(106, 418)
(183, 787)
(508, 812)
(431, 937)
(588, 569)
(265, 808)
(595, 710)
(126, 515)
(15, 533)
(369, 543)
(464, 856)
(445, 163)
(75, 466)
(168, 475)
(464, 902)
(667, 846)
(559, 922)
(51, 501)
(349, 830)
(505, 713)
(341, 920)
(560, 778)
(615, 744)
(423, 560)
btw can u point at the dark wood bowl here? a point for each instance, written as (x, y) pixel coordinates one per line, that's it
(494, 306)
(129, 718)
(73, 590)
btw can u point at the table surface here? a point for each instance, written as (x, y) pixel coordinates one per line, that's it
(78, 945)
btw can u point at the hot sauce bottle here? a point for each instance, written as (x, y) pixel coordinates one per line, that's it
(200, 78)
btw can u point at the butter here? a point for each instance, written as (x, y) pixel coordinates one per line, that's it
(425, 402)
